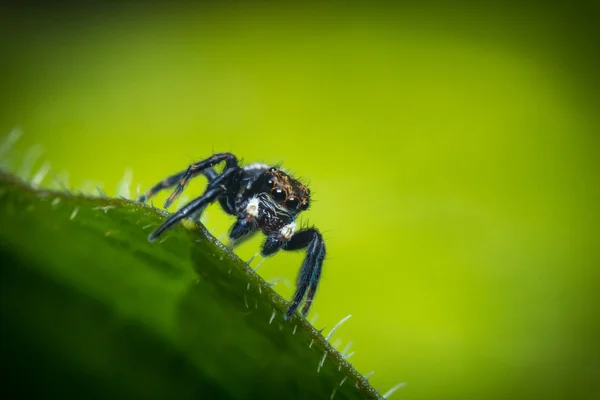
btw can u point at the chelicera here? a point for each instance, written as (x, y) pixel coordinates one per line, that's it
(262, 198)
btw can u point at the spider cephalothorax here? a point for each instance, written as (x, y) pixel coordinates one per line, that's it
(263, 198)
(287, 190)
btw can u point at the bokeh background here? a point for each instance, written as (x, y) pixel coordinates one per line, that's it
(453, 152)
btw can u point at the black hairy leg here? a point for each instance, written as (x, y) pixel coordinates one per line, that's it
(182, 178)
(310, 272)
(171, 181)
(243, 229)
(214, 190)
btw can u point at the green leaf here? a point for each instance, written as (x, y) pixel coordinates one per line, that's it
(90, 308)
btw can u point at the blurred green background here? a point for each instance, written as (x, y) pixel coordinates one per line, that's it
(453, 152)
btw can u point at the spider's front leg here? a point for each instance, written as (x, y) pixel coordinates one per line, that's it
(310, 272)
(243, 229)
(173, 180)
(182, 178)
(195, 207)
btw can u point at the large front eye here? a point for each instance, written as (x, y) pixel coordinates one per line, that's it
(292, 203)
(278, 194)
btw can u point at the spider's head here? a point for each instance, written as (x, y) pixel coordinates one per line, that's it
(287, 191)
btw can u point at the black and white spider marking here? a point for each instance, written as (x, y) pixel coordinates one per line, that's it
(262, 198)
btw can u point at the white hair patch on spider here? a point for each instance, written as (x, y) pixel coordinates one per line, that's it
(256, 166)
(252, 207)
(288, 230)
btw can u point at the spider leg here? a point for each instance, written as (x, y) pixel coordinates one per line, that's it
(171, 181)
(246, 225)
(310, 272)
(194, 208)
(199, 167)
(181, 179)
(243, 229)
(210, 174)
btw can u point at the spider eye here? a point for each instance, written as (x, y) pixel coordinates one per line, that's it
(304, 205)
(292, 203)
(278, 194)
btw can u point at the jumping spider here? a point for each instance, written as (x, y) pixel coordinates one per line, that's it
(262, 198)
